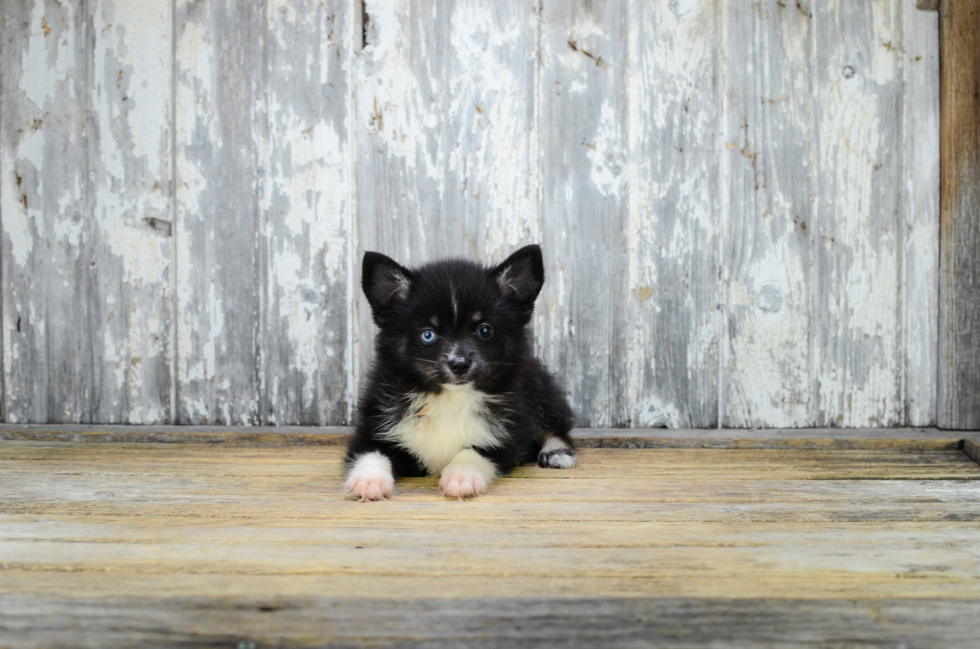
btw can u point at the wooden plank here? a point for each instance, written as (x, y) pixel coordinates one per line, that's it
(446, 136)
(959, 286)
(673, 230)
(275, 620)
(809, 438)
(768, 137)
(581, 329)
(220, 165)
(124, 543)
(307, 244)
(86, 211)
(858, 223)
(445, 129)
(920, 61)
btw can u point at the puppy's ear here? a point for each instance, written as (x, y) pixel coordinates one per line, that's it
(385, 283)
(521, 276)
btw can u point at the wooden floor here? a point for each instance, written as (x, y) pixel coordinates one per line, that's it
(247, 541)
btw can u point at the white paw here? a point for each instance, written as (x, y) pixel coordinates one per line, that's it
(462, 481)
(560, 459)
(370, 478)
(556, 453)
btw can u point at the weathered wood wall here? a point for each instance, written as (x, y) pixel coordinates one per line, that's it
(738, 201)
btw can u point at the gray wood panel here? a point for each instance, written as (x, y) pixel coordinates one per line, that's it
(307, 206)
(959, 287)
(584, 170)
(221, 166)
(674, 229)
(264, 212)
(921, 213)
(767, 202)
(858, 226)
(738, 203)
(86, 211)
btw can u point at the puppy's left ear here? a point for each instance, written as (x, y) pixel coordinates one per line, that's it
(521, 276)
(385, 283)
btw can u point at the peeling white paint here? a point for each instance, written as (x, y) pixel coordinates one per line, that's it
(733, 231)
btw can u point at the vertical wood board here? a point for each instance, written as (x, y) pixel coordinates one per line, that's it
(921, 213)
(220, 149)
(673, 229)
(768, 180)
(858, 227)
(584, 171)
(86, 211)
(307, 214)
(959, 287)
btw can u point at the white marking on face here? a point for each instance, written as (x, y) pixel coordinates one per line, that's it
(452, 292)
(436, 427)
(370, 477)
(477, 316)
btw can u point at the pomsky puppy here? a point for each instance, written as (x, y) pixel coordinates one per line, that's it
(454, 391)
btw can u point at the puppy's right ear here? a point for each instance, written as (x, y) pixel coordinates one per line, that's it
(385, 283)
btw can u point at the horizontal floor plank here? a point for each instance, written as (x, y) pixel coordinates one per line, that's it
(318, 620)
(191, 543)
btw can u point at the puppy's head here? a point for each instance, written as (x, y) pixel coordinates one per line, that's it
(453, 323)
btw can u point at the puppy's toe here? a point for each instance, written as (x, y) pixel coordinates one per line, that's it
(370, 488)
(558, 459)
(462, 482)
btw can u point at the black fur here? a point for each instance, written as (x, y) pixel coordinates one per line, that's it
(403, 302)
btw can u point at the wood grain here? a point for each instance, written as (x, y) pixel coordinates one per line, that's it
(737, 203)
(767, 203)
(920, 61)
(193, 544)
(85, 208)
(959, 286)
(583, 147)
(221, 166)
(858, 229)
(673, 232)
(307, 243)
(270, 620)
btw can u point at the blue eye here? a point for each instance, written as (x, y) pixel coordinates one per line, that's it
(428, 336)
(485, 331)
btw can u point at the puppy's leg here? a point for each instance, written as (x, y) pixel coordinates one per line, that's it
(557, 453)
(467, 475)
(370, 477)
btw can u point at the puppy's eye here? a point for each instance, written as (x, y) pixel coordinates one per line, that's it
(485, 331)
(428, 336)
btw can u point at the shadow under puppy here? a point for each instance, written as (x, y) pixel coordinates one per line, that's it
(454, 390)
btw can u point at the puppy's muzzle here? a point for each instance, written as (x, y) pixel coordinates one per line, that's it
(459, 365)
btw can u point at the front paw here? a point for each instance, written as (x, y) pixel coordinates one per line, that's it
(369, 488)
(370, 478)
(462, 481)
(558, 459)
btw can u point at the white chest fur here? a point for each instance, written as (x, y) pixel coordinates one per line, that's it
(438, 426)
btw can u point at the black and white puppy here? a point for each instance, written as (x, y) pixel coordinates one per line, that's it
(455, 391)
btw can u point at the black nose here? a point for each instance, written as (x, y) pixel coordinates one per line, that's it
(459, 365)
